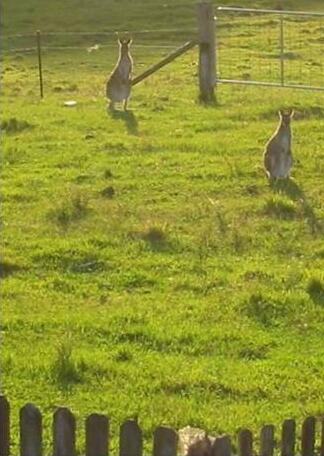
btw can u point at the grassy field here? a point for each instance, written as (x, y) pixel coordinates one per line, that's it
(148, 268)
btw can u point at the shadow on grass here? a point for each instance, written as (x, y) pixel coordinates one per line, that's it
(128, 117)
(289, 187)
(295, 192)
(315, 289)
(210, 102)
(7, 269)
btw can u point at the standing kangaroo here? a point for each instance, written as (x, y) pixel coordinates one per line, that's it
(118, 86)
(277, 156)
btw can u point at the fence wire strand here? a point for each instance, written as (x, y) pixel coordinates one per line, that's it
(101, 33)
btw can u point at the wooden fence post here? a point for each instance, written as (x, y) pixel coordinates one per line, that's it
(322, 437)
(40, 69)
(130, 439)
(288, 437)
(30, 431)
(97, 434)
(207, 52)
(308, 437)
(4, 427)
(165, 442)
(245, 443)
(222, 446)
(282, 51)
(267, 440)
(63, 433)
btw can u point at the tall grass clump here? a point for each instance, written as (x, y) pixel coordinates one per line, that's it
(65, 370)
(71, 209)
(264, 310)
(155, 236)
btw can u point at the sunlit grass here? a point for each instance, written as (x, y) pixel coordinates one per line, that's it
(149, 267)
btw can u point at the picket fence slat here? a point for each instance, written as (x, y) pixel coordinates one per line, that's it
(30, 431)
(288, 438)
(267, 440)
(322, 437)
(245, 442)
(97, 435)
(130, 439)
(222, 446)
(165, 441)
(308, 437)
(4, 427)
(63, 433)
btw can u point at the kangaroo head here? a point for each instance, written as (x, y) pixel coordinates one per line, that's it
(286, 115)
(124, 45)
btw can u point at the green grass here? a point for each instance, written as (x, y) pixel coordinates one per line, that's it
(148, 266)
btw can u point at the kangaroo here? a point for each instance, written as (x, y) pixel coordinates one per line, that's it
(118, 86)
(277, 155)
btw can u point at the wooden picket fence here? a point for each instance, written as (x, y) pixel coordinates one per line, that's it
(165, 439)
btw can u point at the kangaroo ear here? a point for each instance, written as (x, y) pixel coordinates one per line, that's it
(281, 112)
(291, 112)
(120, 41)
(129, 41)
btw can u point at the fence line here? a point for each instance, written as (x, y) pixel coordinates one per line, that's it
(22, 50)
(19, 35)
(165, 439)
(269, 11)
(84, 48)
(103, 33)
(222, 46)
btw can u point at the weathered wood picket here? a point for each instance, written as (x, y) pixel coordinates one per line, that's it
(165, 439)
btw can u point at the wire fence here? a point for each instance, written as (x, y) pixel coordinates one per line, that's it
(88, 52)
(275, 48)
(259, 47)
(66, 39)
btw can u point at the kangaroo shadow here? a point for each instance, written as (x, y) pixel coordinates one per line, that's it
(129, 118)
(295, 192)
(316, 293)
(289, 187)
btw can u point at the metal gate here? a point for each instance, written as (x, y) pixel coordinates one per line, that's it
(270, 47)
